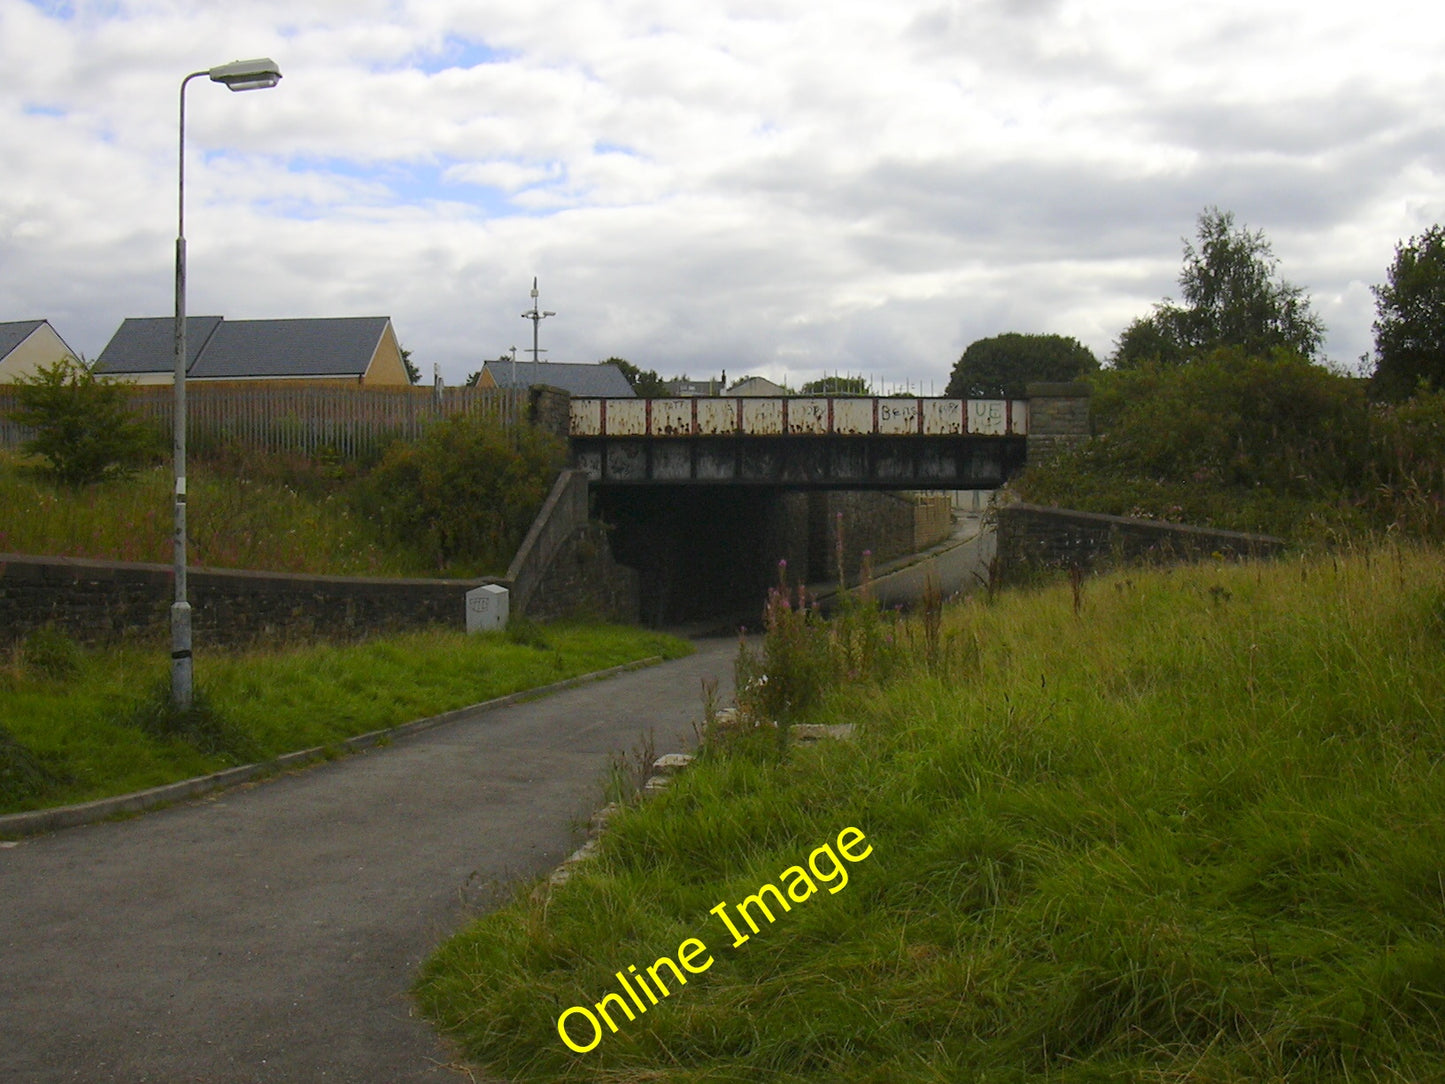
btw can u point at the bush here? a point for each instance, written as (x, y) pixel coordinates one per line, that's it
(83, 425)
(1248, 442)
(465, 493)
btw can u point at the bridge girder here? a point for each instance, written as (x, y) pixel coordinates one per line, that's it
(835, 462)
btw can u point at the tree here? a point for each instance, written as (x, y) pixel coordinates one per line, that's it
(1410, 317)
(645, 382)
(837, 385)
(412, 372)
(83, 425)
(1232, 297)
(1000, 367)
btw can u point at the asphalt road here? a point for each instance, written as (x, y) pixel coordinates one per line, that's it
(958, 566)
(271, 933)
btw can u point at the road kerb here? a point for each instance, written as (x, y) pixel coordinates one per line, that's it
(39, 821)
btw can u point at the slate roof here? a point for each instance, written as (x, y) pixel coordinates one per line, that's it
(335, 346)
(15, 333)
(574, 377)
(220, 349)
(148, 345)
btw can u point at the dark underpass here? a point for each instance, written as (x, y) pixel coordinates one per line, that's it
(712, 552)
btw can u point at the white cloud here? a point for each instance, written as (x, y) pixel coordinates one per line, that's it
(778, 187)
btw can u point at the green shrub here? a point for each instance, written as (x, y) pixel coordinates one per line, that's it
(1265, 443)
(465, 493)
(83, 425)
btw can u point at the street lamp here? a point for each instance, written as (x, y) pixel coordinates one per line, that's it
(238, 75)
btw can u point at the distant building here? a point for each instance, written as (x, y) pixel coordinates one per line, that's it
(327, 350)
(25, 345)
(683, 388)
(602, 380)
(757, 385)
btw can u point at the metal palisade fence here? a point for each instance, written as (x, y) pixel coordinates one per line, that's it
(342, 420)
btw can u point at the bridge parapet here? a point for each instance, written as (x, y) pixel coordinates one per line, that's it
(742, 416)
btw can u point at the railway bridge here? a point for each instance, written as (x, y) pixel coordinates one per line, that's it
(819, 443)
(705, 496)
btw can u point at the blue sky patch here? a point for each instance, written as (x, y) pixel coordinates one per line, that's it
(460, 53)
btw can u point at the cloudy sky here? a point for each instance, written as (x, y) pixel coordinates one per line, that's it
(781, 187)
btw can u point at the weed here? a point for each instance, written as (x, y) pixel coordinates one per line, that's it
(526, 633)
(201, 725)
(25, 774)
(49, 653)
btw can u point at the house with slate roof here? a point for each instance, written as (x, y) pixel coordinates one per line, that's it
(602, 379)
(25, 345)
(331, 350)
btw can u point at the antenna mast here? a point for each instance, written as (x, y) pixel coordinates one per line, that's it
(536, 316)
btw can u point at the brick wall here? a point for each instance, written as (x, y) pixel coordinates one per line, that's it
(1033, 538)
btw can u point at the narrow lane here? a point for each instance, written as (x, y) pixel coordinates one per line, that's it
(270, 933)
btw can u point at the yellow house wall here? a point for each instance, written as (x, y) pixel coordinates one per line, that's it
(41, 347)
(386, 366)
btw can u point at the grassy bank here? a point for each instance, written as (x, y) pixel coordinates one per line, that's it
(1184, 826)
(236, 519)
(75, 726)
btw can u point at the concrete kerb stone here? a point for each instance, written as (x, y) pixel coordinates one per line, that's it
(40, 821)
(664, 769)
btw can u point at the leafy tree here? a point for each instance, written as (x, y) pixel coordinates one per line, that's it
(412, 372)
(1000, 367)
(1149, 339)
(837, 385)
(1410, 320)
(645, 382)
(1232, 297)
(83, 425)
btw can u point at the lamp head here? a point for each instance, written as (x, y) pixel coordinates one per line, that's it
(238, 75)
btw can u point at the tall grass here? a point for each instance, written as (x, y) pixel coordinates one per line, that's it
(1189, 830)
(234, 521)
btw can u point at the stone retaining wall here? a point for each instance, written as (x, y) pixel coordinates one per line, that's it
(564, 568)
(1034, 538)
(100, 601)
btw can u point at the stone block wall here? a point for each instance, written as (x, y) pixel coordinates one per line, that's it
(932, 519)
(1058, 418)
(101, 601)
(1033, 538)
(584, 581)
(549, 409)
(564, 568)
(886, 524)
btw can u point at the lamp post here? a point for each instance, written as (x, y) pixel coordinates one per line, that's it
(238, 75)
